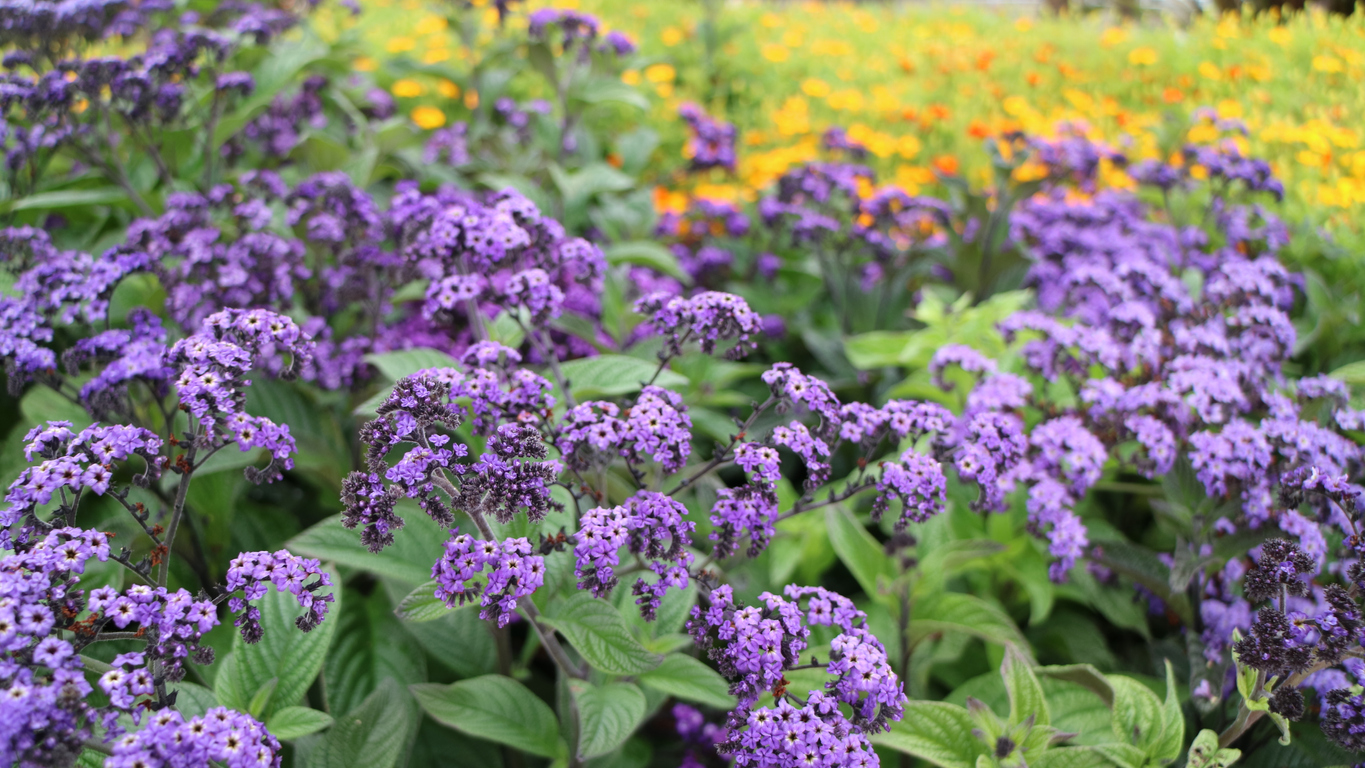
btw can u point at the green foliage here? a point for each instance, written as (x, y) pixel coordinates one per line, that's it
(495, 708)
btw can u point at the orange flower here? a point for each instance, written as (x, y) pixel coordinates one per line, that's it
(428, 117)
(1033, 78)
(946, 165)
(939, 112)
(978, 130)
(1173, 95)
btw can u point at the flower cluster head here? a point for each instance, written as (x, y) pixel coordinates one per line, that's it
(493, 252)
(219, 735)
(656, 426)
(712, 142)
(918, 481)
(1281, 567)
(754, 646)
(708, 317)
(513, 572)
(213, 366)
(69, 464)
(254, 572)
(173, 621)
(651, 526)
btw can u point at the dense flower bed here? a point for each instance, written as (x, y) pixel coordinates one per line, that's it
(823, 471)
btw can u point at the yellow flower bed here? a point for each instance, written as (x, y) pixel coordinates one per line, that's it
(922, 87)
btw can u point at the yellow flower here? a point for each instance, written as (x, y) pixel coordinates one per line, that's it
(664, 90)
(1142, 57)
(671, 36)
(771, 20)
(631, 77)
(815, 88)
(448, 89)
(428, 117)
(429, 25)
(401, 45)
(660, 73)
(1280, 36)
(471, 99)
(908, 146)
(1210, 71)
(1023, 24)
(1113, 36)
(775, 53)
(407, 89)
(365, 64)
(1327, 64)
(435, 56)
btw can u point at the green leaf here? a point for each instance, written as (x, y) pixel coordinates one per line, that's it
(375, 735)
(1137, 713)
(495, 708)
(261, 699)
(1351, 373)
(1084, 675)
(689, 679)
(1122, 755)
(1204, 752)
(284, 652)
(416, 546)
(611, 375)
(957, 612)
(405, 362)
(292, 722)
(1070, 757)
(865, 558)
(1172, 722)
(596, 630)
(42, 404)
(422, 604)
(934, 731)
(602, 89)
(646, 253)
(370, 647)
(191, 700)
(607, 715)
(68, 198)
(1026, 695)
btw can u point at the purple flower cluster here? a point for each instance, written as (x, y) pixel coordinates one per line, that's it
(918, 481)
(657, 426)
(254, 572)
(513, 573)
(652, 526)
(712, 142)
(754, 646)
(708, 317)
(219, 736)
(70, 464)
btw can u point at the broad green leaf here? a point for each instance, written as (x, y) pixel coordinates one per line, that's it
(1137, 713)
(934, 731)
(405, 362)
(607, 715)
(292, 722)
(611, 375)
(1172, 722)
(864, 557)
(370, 647)
(1122, 755)
(1026, 695)
(495, 708)
(1083, 675)
(376, 735)
(416, 546)
(284, 652)
(602, 89)
(597, 631)
(91, 759)
(68, 198)
(688, 679)
(422, 604)
(1351, 373)
(646, 253)
(191, 700)
(261, 699)
(957, 612)
(1070, 757)
(42, 404)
